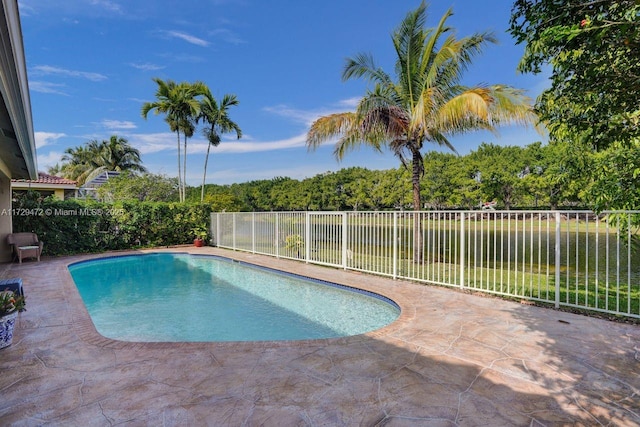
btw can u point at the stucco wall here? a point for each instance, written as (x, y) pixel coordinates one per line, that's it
(5, 217)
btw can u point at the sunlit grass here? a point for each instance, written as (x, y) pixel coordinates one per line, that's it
(509, 258)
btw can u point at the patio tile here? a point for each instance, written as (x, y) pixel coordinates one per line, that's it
(450, 359)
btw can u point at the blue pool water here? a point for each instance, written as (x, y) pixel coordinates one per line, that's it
(180, 297)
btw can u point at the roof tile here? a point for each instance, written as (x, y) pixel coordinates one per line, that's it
(44, 178)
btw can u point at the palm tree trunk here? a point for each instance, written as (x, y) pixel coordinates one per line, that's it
(417, 205)
(204, 176)
(179, 171)
(184, 171)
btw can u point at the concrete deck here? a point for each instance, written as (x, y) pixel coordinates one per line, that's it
(452, 359)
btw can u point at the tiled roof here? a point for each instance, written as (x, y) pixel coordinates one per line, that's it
(44, 178)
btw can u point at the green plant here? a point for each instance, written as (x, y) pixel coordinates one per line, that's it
(10, 302)
(75, 226)
(295, 242)
(200, 233)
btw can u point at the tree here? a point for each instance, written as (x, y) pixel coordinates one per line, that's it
(117, 155)
(426, 103)
(77, 163)
(180, 104)
(145, 188)
(501, 172)
(438, 180)
(616, 183)
(593, 48)
(85, 162)
(218, 121)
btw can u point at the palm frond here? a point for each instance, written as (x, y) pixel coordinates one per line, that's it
(408, 40)
(363, 65)
(328, 127)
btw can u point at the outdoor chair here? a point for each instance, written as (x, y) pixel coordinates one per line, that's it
(25, 245)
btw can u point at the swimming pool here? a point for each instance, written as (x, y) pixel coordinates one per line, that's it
(171, 297)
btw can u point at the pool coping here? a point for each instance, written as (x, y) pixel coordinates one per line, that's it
(83, 326)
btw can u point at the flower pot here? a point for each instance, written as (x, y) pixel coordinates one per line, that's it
(198, 242)
(6, 329)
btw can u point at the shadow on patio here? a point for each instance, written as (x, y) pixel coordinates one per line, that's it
(451, 359)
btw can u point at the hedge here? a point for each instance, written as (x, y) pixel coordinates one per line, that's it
(76, 226)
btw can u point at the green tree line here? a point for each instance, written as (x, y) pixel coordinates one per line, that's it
(535, 176)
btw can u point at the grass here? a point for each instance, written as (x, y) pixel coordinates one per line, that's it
(511, 258)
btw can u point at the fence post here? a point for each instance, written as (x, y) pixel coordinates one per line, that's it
(307, 238)
(233, 223)
(277, 241)
(395, 245)
(462, 249)
(253, 232)
(558, 255)
(214, 231)
(218, 229)
(344, 240)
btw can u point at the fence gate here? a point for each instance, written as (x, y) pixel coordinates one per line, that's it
(326, 238)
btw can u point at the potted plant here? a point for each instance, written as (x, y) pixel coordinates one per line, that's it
(201, 235)
(295, 242)
(10, 305)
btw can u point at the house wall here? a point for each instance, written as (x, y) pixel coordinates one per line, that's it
(45, 190)
(5, 217)
(57, 193)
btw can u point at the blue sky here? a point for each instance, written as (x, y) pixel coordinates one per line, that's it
(91, 63)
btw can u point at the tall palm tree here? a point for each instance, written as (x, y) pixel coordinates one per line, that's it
(218, 121)
(180, 104)
(426, 103)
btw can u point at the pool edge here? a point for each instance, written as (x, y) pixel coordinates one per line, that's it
(85, 329)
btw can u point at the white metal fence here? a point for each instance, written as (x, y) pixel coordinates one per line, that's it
(566, 258)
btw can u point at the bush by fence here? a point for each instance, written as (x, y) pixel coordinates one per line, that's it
(74, 226)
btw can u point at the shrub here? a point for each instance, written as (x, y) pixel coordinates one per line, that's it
(76, 226)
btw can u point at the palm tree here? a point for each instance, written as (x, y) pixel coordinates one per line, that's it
(426, 103)
(114, 155)
(219, 122)
(77, 163)
(179, 102)
(85, 162)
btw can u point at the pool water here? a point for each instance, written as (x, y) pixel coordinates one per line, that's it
(180, 297)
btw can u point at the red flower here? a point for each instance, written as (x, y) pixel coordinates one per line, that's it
(583, 23)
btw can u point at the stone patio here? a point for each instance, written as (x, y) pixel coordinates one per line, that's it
(451, 359)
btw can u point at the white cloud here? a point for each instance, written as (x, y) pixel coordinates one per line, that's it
(117, 124)
(153, 142)
(51, 70)
(46, 87)
(228, 36)
(107, 5)
(307, 117)
(241, 147)
(47, 138)
(167, 141)
(350, 103)
(45, 161)
(300, 116)
(147, 66)
(188, 38)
